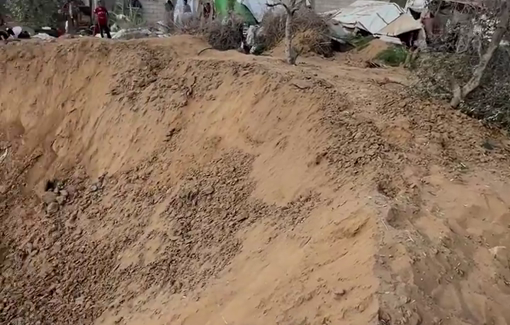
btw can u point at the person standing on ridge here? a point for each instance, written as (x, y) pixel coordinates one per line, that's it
(102, 19)
(187, 7)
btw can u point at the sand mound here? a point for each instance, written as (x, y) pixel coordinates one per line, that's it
(369, 52)
(141, 184)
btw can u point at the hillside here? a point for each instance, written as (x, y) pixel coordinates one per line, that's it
(143, 184)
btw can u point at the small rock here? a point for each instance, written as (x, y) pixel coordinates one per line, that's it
(29, 247)
(80, 300)
(499, 253)
(71, 190)
(241, 217)
(3, 189)
(302, 84)
(64, 193)
(49, 197)
(52, 207)
(339, 294)
(208, 190)
(61, 200)
(94, 188)
(405, 300)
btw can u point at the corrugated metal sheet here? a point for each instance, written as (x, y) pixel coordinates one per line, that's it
(371, 16)
(321, 6)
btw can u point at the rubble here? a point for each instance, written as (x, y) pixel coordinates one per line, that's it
(135, 33)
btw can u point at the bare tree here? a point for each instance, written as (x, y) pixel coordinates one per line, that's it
(34, 12)
(503, 17)
(466, 62)
(290, 6)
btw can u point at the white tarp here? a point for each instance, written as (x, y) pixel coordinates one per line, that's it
(371, 16)
(17, 30)
(43, 36)
(257, 7)
(416, 5)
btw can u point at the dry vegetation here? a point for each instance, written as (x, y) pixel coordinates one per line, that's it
(489, 102)
(224, 36)
(469, 68)
(312, 32)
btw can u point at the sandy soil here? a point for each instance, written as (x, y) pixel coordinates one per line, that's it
(143, 184)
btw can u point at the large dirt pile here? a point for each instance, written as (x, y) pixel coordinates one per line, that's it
(141, 184)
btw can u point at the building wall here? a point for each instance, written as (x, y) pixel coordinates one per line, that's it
(153, 11)
(327, 5)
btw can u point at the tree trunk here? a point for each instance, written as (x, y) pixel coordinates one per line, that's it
(459, 93)
(288, 39)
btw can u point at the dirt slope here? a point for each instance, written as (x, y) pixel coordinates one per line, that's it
(231, 189)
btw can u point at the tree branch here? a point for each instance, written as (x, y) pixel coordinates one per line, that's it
(461, 92)
(296, 7)
(272, 5)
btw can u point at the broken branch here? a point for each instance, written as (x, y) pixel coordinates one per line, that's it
(272, 5)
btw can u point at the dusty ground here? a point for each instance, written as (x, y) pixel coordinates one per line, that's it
(141, 184)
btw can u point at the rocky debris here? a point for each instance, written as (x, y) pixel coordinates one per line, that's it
(208, 190)
(97, 186)
(135, 33)
(172, 133)
(208, 210)
(49, 197)
(500, 253)
(340, 294)
(52, 208)
(55, 193)
(61, 199)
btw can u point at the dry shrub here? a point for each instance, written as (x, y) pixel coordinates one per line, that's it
(453, 55)
(222, 35)
(310, 30)
(192, 26)
(225, 36)
(310, 41)
(437, 71)
(273, 25)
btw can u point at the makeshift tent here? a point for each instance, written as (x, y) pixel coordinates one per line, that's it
(338, 33)
(370, 16)
(403, 24)
(245, 12)
(222, 7)
(256, 7)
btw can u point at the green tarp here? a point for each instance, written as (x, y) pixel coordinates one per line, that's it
(224, 6)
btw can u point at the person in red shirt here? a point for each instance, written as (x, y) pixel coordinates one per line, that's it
(102, 19)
